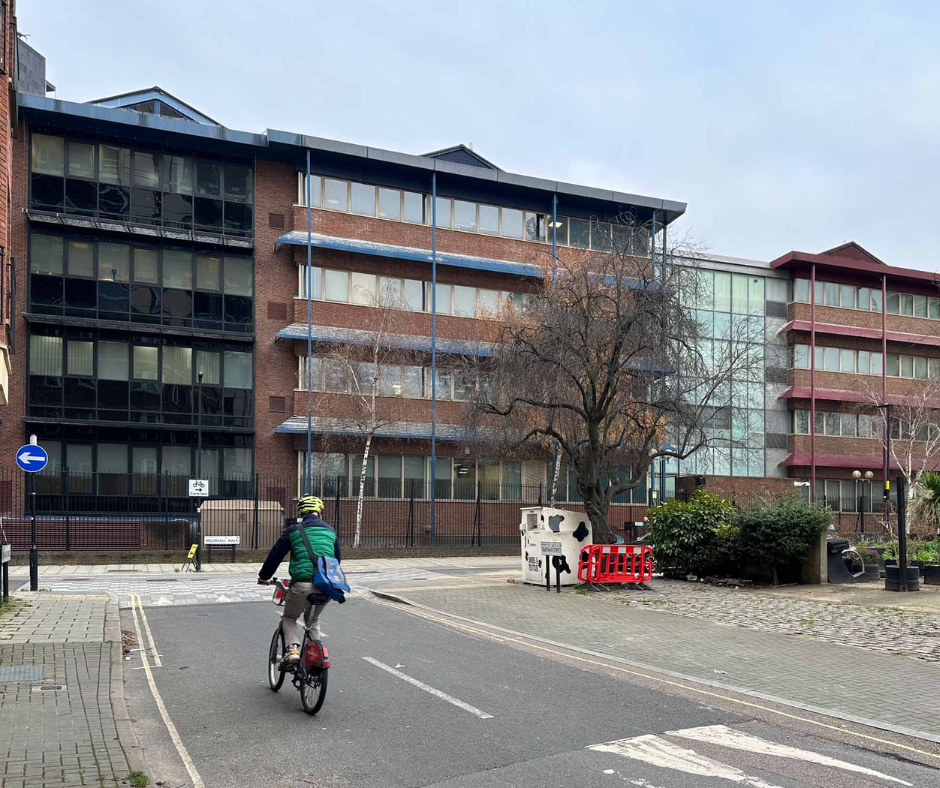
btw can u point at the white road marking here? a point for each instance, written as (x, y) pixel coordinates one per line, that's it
(135, 598)
(666, 755)
(436, 693)
(171, 728)
(737, 740)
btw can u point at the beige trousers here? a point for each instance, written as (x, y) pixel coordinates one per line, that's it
(293, 609)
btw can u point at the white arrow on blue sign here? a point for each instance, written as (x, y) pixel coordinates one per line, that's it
(31, 458)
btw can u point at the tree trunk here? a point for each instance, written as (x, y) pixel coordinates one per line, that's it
(551, 500)
(597, 509)
(357, 540)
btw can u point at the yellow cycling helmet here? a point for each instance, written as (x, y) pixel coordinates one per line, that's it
(309, 504)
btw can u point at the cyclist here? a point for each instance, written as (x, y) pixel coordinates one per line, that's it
(323, 542)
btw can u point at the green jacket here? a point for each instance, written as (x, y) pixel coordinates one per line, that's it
(323, 542)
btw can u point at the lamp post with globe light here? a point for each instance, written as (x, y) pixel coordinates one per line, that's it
(868, 476)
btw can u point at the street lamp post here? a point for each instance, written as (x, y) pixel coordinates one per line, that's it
(868, 476)
(198, 562)
(886, 407)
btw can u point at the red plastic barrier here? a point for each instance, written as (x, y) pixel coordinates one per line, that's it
(616, 563)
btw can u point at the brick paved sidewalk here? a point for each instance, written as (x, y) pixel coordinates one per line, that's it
(880, 690)
(63, 719)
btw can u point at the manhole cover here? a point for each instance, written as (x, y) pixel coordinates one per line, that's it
(21, 673)
(48, 687)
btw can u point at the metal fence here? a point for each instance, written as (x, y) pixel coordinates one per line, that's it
(134, 512)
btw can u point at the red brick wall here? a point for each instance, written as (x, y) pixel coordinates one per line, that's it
(741, 489)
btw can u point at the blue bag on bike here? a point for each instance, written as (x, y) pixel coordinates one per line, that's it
(330, 580)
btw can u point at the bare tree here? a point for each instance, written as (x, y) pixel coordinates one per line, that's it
(372, 371)
(914, 429)
(609, 363)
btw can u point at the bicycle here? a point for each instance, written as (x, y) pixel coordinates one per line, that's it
(311, 674)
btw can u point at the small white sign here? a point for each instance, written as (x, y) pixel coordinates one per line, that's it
(222, 540)
(5, 553)
(533, 563)
(198, 488)
(799, 483)
(551, 548)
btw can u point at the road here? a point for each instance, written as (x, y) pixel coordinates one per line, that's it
(511, 714)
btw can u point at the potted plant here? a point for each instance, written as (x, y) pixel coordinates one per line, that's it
(931, 570)
(871, 561)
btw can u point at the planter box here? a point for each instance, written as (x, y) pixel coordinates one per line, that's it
(931, 575)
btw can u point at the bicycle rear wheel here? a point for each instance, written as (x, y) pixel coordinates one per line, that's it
(313, 690)
(275, 657)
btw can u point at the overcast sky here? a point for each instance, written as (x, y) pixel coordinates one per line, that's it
(785, 125)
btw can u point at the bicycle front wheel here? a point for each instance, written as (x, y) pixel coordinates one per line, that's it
(275, 657)
(313, 690)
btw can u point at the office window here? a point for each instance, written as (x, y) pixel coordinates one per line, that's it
(876, 300)
(364, 380)
(848, 361)
(535, 227)
(907, 304)
(894, 303)
(512, 224)
(920, 306)
(465, 216)
(865, 426)
(755, 296)
(414, 476)
(316, 186)
(45, 356)
(848, 297)
(464, 385)
(876, 362)
(112, 468)
(579, 233)
(112, 361)
(237, 463)
(600, 237)
(443, 385)
(443, 299)
(831, 291)
(367, 480)
(465, 478)
(114, 165)
(146, 266)
(179, 174)
(848, 425)
(146, 171)
(833, 423)
(389, 203)
(933, 308)
(864, 362)
(443, 212)
(413, 294)
(831, 359)
(465, 299)
(45, 254)
(81, 358)
(488, 303)
(414, 207)
(336, 285)
(48, 155)
(209, 273)
(334, 375)
(389, 475)
(113, 262)
(81, 160)
(336, 194)
(801, 356)
(560, 229)
(313, 381)
(239, 184)
(801, 422)
(933, 368)
(209, 363)
(489, 220)
(920, 367)
(208, 178)
(907, 366)
(389, 293)
(238, 275)
(237, 370)
(512, 481)
(722, 293)
(363, 289)
(315, 277)
(145, 363)
(178, 365)
(389, 380)
(363, 199)
(893, 368)
(178, 269)
(413, 382)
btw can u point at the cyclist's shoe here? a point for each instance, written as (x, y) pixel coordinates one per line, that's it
(293, 654)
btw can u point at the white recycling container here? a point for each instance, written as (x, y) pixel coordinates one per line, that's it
(548, 532)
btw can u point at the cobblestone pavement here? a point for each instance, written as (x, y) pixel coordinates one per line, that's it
(61, 695)
(886, 629)
(851, 683)
(191, 588)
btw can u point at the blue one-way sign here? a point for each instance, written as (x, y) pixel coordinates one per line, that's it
(31, 458)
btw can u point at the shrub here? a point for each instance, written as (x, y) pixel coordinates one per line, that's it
(780, 532)
(693, 537)
(924, 508)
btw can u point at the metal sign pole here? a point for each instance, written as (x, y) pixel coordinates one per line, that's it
(33, 548)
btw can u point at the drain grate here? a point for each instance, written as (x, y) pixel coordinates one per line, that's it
(21, 673)
(49, 687)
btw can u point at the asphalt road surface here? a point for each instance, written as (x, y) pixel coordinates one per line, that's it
(413, 702)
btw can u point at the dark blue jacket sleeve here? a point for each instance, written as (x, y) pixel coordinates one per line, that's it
(336, 550)
(273, 561)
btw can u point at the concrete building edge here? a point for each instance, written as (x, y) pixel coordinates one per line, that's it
(838, 715)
